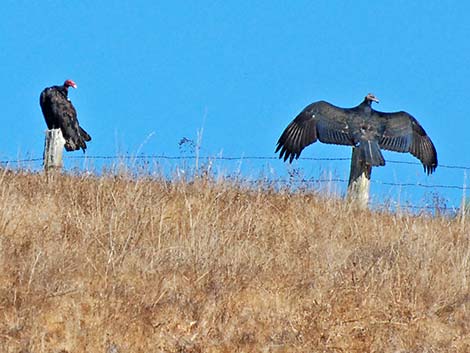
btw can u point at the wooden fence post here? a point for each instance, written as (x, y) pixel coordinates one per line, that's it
(53, 149)
(359, 180)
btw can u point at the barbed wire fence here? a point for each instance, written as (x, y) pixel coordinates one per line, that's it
(290, 180)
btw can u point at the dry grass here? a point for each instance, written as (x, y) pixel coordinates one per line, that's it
(114, 265)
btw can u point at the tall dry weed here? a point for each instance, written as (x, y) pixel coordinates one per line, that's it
(117, 264)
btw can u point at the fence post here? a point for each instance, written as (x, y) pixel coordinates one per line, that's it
(53, 149)
(359, 180)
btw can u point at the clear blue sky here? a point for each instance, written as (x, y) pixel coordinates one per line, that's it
(239, 70)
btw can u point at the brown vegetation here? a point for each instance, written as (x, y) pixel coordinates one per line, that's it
(115, 265)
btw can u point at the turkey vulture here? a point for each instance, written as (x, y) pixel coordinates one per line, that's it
(59, 113)
(362, 127)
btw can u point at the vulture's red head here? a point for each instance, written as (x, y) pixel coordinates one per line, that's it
(70, 83)
(371, 98)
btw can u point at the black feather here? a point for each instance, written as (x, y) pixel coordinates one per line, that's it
(60, 113)
(399, 132)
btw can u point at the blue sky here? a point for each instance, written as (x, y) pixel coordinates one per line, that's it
(240, 71)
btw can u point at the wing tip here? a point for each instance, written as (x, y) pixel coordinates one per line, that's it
(430, 167)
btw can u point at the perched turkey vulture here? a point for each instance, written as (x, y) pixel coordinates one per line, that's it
(362, 127)
(59, 113)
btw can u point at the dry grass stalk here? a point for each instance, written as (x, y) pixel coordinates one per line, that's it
(109, 264)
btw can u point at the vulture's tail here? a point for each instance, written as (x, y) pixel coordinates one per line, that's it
(371, 154)
(77, 140)
(84, 134)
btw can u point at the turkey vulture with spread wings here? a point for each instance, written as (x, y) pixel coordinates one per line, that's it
(59, 113)
(362, 127)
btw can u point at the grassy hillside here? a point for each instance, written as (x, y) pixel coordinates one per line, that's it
(115, 265)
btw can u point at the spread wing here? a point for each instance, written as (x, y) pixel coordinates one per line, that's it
(318, 121)
(403, 133)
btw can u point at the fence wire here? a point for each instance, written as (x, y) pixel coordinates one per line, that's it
(292, 180)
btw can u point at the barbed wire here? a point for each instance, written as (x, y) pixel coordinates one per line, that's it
(234, 158)
(226, 158)
(291, 180)
(199, 157)
(339, 180)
